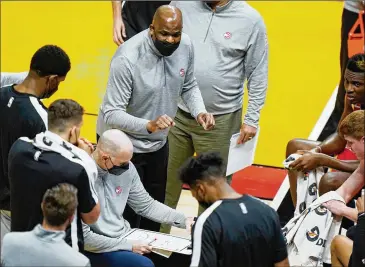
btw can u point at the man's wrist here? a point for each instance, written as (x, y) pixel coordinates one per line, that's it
(350, 213)
(322, 160)
(199, 113)
(249, 123)
(345, 211)
(149, 127)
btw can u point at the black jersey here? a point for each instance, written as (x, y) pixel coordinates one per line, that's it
(21, 115)
(31, 173)
(236, 233)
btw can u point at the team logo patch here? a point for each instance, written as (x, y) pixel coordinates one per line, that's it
(182, 72)
(321, 211)
(227, 35)
(313, 234)
(118, 190)
(312, 189)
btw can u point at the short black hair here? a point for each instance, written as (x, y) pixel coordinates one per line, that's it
(59, 204)
(356, 63)
(206, 166)
(62, 112)
(50, 60)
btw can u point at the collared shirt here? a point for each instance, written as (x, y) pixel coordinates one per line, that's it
(144, 85)
(230, 47)
(114, 193)
(39, 247)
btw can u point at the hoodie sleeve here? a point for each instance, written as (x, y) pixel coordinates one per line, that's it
(256, 66)
(190, 93)
(143, 204)
(9, 78)
(99, 243)
(117, 96)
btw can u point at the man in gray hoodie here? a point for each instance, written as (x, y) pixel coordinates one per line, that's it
(230, 44)
(118, 184)
(148, 76)
(9, 78)
(45, 245)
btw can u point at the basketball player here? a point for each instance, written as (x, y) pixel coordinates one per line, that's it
(235, 229)
(317, 154)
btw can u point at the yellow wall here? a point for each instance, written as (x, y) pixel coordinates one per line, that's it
(303, 69)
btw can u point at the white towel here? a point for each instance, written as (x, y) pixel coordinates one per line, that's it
(307, 185)
(48, 141)
(309, 235)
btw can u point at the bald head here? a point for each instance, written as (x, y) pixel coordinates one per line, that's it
(114, 142)
(166, 29)
(166, 14)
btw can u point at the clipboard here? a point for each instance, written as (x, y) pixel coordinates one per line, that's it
(162, 244)
(241, 156)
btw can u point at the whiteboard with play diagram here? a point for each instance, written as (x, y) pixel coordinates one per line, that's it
(160, 240)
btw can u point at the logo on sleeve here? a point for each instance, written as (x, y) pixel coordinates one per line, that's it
(118, 190)
(227, 35)
(243, 208)
(182, 72)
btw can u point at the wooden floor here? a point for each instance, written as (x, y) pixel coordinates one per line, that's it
(189, 206)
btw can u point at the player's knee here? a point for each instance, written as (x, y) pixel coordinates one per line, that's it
(335, 242)
(296, 144)
(329, 182)
(292, 147)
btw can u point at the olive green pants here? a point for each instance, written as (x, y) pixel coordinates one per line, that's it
(188, 137)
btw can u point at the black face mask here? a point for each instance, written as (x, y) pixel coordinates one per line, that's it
(165, 48)
(118, 170)
(203, 203)
(48, 93)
